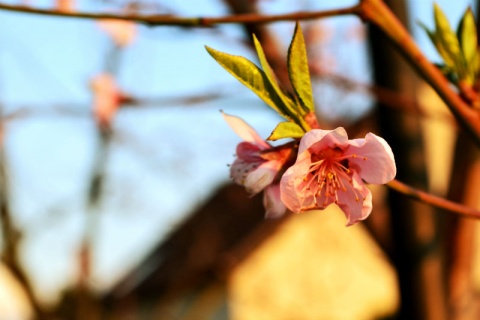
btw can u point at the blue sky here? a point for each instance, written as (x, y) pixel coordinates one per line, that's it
(165, 159)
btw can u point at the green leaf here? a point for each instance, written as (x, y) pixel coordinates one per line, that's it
(298, 70)
(476, 63)
(438, 45)
(286, 130)
(288, 103)
(447, 42)
(474, 68)
(252, 77)
(467, 33)
(430, 33)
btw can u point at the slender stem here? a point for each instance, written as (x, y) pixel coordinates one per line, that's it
(376, 12)
(387, 97)
(168, 20)
(433, 200)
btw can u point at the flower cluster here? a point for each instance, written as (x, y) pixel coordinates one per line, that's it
(316, 167)
(329, 168)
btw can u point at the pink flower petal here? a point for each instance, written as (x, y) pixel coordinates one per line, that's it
(272, 202)
(262, 176)
(374, 159)
(318, 139)
(105, 98)
(291, 181)
(249, 152)
(240, 169)
(288, 190)
(244, 131)
(355, 210)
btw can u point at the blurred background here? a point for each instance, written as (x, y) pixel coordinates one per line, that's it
(116, 201)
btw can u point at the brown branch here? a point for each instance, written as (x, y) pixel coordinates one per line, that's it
(433, 200)
(169, 20)
(376, 12)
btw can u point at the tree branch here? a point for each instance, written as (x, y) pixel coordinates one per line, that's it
(433, 200)
(376, 12)
(169, 20)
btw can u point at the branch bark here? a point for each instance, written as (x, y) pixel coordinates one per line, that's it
(168, 20)
(376, 12)
(434, 200)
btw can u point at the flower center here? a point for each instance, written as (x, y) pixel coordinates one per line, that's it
(329, 173)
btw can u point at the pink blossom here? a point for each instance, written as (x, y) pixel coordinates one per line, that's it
(106, 98)
(332, 169)
(259, 165)
(122, 32)
(65, 5)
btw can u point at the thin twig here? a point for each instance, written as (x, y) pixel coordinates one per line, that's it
(388, 97)
(169, 20)
(433, 200)
(373, 11)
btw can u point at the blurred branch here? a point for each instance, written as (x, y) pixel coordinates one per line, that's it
(169, 20)
(374, 11)
(12, 237)
(433, 200)
(387, 97)
(77, 110)
(460, 233)
(10, 257)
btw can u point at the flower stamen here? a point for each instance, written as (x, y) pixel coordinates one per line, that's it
(327, 176)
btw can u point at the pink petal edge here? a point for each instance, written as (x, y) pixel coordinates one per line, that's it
(274, 207)
(356, 211)
(322, 138)
(244, 131)
(262, 176)
(379, 166)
